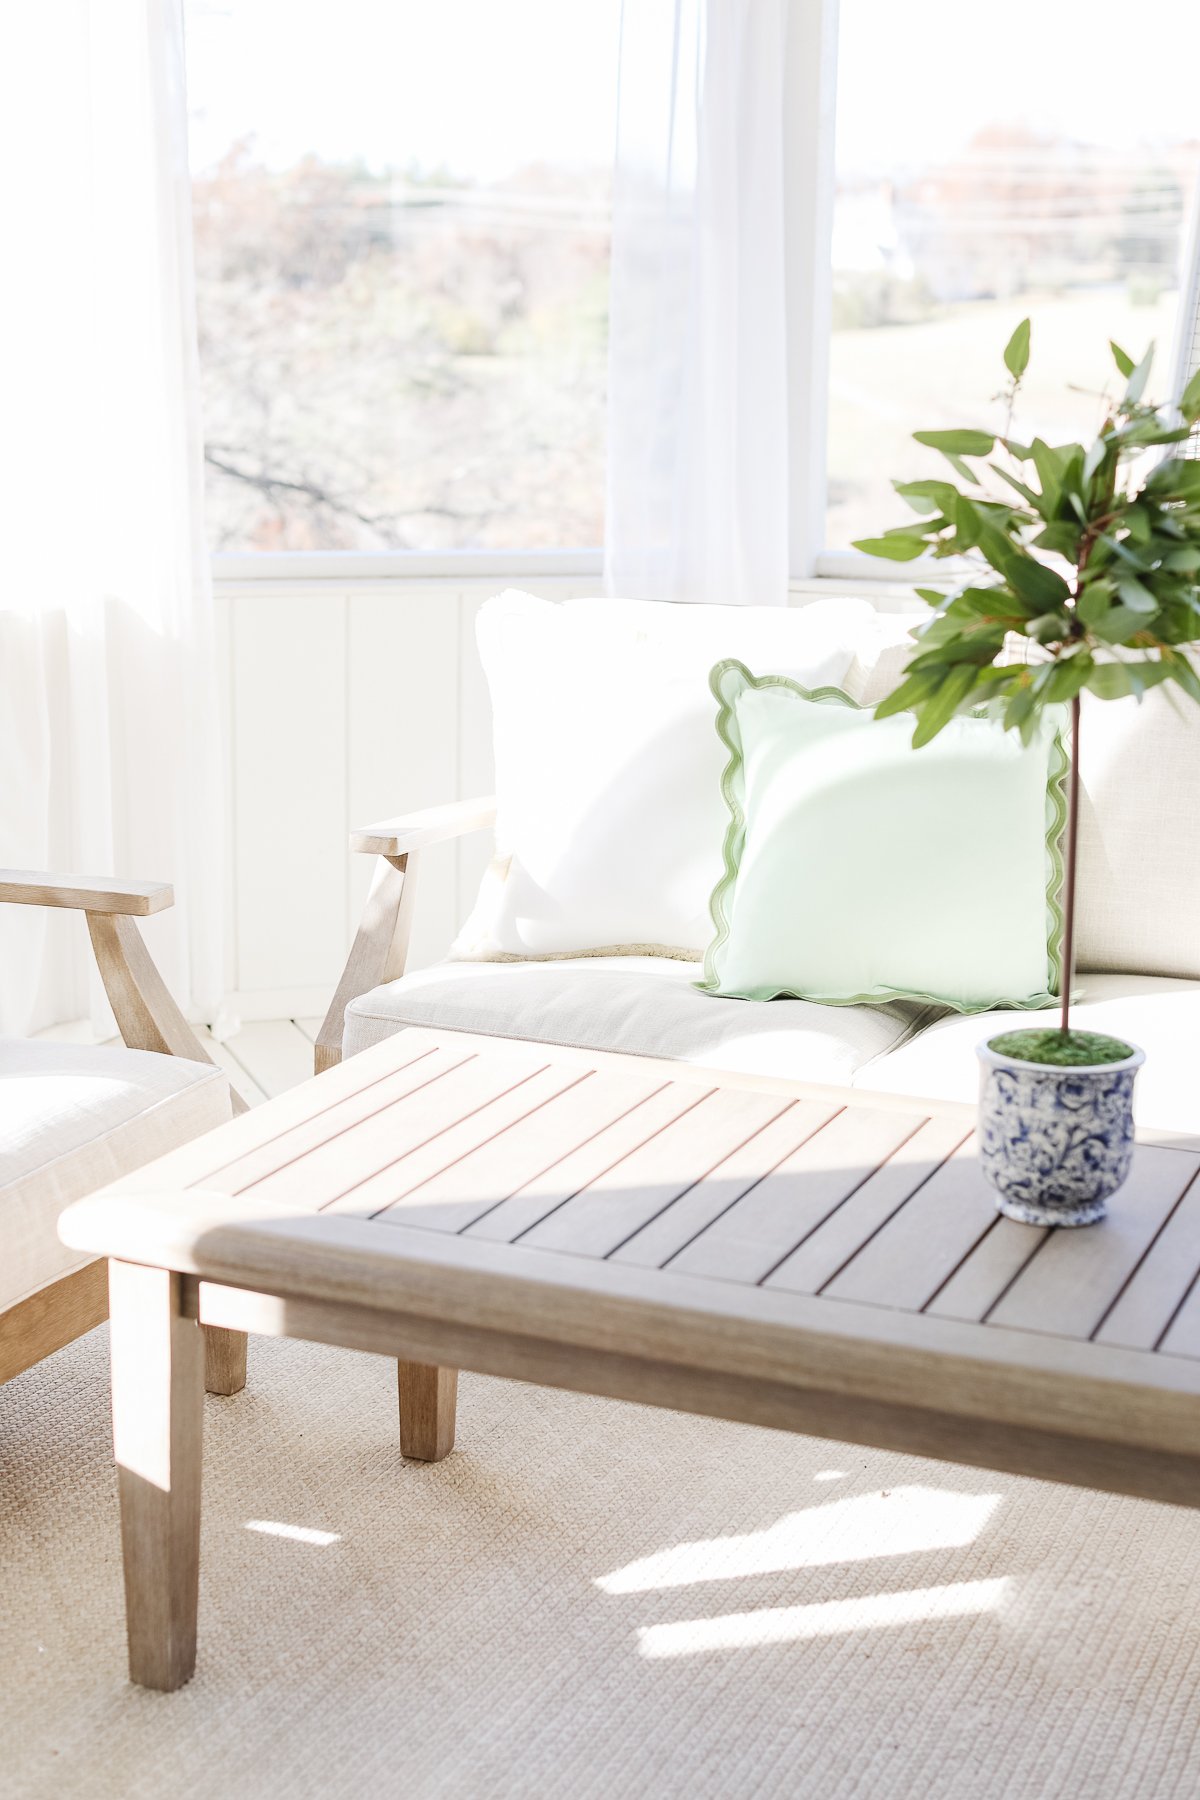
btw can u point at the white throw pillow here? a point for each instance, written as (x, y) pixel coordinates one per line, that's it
(608, 766)
(1139, 835)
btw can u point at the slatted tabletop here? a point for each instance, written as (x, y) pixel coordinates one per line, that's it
(580, 1183)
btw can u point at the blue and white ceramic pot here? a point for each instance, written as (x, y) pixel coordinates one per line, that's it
(1054, 1142)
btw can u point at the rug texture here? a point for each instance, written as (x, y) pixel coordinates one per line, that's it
(587, 1599)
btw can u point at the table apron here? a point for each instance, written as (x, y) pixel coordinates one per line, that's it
(1079, 1460)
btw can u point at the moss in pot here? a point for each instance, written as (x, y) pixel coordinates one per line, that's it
(1090, 554)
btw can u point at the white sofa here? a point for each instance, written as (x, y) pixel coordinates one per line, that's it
(1139, 933)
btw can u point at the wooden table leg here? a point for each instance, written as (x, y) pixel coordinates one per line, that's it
(224, 1360)
(158, 1413)
(428, 1395)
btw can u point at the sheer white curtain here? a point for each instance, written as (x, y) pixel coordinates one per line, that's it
(697, 400)
(109, 736)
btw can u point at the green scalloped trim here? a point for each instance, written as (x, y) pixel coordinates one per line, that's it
(735, 841)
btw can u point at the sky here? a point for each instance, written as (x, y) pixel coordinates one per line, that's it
(486, 86)
(478, 86)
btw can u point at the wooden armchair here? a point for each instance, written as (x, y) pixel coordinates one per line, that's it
(380, 949)
(72, 1118)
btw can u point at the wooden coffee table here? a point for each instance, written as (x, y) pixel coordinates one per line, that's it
(816, 1259)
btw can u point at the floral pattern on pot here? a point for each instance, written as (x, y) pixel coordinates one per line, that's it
(1055, 1143)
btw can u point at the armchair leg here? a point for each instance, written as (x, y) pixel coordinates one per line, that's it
(224, 1360)
(428, 1396)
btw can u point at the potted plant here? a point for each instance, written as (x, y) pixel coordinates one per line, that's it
(1083, 570)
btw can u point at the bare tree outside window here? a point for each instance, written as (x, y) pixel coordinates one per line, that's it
(395, 356)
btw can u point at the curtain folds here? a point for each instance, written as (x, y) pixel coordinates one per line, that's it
(697, 501)
(110, 748)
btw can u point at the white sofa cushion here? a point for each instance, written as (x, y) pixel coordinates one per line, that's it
(1160, 1015)
(73, 1117)
(608, 766)
(646, 1005)
(1139, 835)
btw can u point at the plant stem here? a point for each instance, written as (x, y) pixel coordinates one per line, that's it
(1068, 958)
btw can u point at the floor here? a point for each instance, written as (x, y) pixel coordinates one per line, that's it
(586, 1601)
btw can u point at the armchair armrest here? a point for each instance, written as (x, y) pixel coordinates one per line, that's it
(380, 949)
(418, 830)
(86, 893)
(146, 1013)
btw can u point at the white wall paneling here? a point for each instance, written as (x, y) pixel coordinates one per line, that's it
(346, 702)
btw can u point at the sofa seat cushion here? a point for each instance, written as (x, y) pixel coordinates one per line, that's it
(645, 1005)
(1157, 1013)
(73, 1117)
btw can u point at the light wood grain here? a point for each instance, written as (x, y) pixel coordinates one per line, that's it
(419, 830)
(1142, 1313)
(912, 1429)
(158, 1414)
(505, 1164)
(378, 953)
(85, 893)
(917, 1250)
(146, 1013)
(841, 1234)
(603, 1148)
(53, 1316)
(428, 1396)
(687, 1217)
(224, 1361)
(644, 1184)
(758, 1233)
(1076, 1275)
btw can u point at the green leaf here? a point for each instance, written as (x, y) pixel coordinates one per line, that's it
(1137, 381)
(967, 524)
(1114, 680)
(1026, 493)
(1095, 456)
(957, 443)
(1181, 670)
(1189, 400)
(1137, 598)
(908, 694)
(1122, 359)
(1117, 624)
(1186, 559)
(1033, 581)
(927, 496)
(936, 712)
(1016, 351)
(1068, 677)
(898, 548)
(1062, 537)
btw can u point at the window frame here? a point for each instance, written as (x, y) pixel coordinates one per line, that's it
(810, 138)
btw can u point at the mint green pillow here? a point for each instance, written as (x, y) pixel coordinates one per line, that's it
(858, 869)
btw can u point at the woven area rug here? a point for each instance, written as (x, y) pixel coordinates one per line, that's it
(585, 1599)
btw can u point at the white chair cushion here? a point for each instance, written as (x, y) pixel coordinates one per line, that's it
(73, 1117)
(1160, 1015)
(645, 1005)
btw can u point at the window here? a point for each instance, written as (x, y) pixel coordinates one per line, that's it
(1037, 161)
(402, 237)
